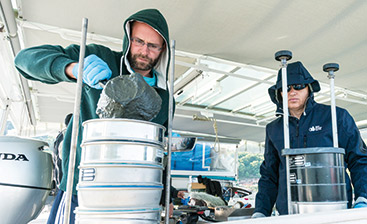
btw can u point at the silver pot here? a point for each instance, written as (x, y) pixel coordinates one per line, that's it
(121, 152)
(317, 179)
(312, 207)
(120, 173)
(115, 196)
(123, 129)
(142, 214)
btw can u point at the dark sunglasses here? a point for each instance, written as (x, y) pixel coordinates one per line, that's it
(296, 87)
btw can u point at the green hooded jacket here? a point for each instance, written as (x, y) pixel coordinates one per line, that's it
(47, 64)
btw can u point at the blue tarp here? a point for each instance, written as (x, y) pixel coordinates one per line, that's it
(192, 160)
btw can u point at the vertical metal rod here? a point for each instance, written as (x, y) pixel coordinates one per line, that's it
(286, 130)
(10, 24)
(285, 103)
(333, 110)
(170, 119)
(289, 196)
(75, 130)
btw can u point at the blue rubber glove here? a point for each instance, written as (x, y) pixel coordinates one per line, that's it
(361, 202)
(95, 70)
(257, 215)
(360, 205)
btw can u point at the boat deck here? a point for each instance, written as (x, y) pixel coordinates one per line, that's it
(347, 216)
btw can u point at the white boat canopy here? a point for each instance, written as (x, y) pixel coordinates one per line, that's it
(224, 59)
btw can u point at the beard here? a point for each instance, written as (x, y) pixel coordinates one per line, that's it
(143, 66)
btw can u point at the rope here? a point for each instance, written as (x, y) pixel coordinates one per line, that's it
(216, 142)
(215, 127)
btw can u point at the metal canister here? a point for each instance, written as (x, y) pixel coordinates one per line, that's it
(120, 171)
(317, 178)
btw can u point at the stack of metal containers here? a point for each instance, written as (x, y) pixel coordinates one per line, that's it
(120, 179)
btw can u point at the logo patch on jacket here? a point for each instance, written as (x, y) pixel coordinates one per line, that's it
(315, 128)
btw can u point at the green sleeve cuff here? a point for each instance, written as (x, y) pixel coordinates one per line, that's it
(58, 69)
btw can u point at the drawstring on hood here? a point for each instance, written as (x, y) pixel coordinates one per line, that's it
(296, 74)
(155, 19)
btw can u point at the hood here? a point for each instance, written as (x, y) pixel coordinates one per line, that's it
(155, 19)
(296, 74)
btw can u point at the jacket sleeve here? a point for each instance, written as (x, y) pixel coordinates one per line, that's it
(268, 182)
(46, 63)
(355, 152)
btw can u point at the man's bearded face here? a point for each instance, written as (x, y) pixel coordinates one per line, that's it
(145, 63)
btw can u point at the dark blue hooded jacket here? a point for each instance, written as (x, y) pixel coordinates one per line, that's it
(272, 184)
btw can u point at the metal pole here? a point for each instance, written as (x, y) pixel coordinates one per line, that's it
(289, 195)
(283, 56)
(10, 24)
(285, 103)
(170, 119)
(333, 110)
(75, 130)
(331, 68)
(286, 130)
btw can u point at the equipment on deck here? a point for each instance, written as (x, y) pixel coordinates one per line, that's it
(315, 176)
(120, 178)
(25, 180)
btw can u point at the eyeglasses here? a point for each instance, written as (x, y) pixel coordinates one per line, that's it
(140, 43)
(295, 87)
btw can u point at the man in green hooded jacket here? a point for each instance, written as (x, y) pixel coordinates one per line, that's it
(145, 50)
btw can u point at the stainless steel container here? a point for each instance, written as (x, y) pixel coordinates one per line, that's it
(121, 152)
(25, 180)
(317, 178)
(115, 196)
(312, 207)
(141, 214)
(120, 173)
(123, 129)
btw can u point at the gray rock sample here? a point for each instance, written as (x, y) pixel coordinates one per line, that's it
(128, 96)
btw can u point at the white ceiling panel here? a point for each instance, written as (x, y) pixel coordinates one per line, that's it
(228, 48)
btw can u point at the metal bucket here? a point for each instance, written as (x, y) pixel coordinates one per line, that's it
(141, 214)
(120, 173)
(121, 168)
(317, 178)
(115, 196)
(25, 180)
(121, 152)
(123, 129)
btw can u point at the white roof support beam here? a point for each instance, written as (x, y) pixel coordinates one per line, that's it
(203, 68)
(8, 18)
(214, 111)
(238, 92)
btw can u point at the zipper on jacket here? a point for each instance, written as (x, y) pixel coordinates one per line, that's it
(304, 141)
(297, 128)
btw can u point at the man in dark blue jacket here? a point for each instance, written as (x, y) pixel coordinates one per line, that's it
(306, 113)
